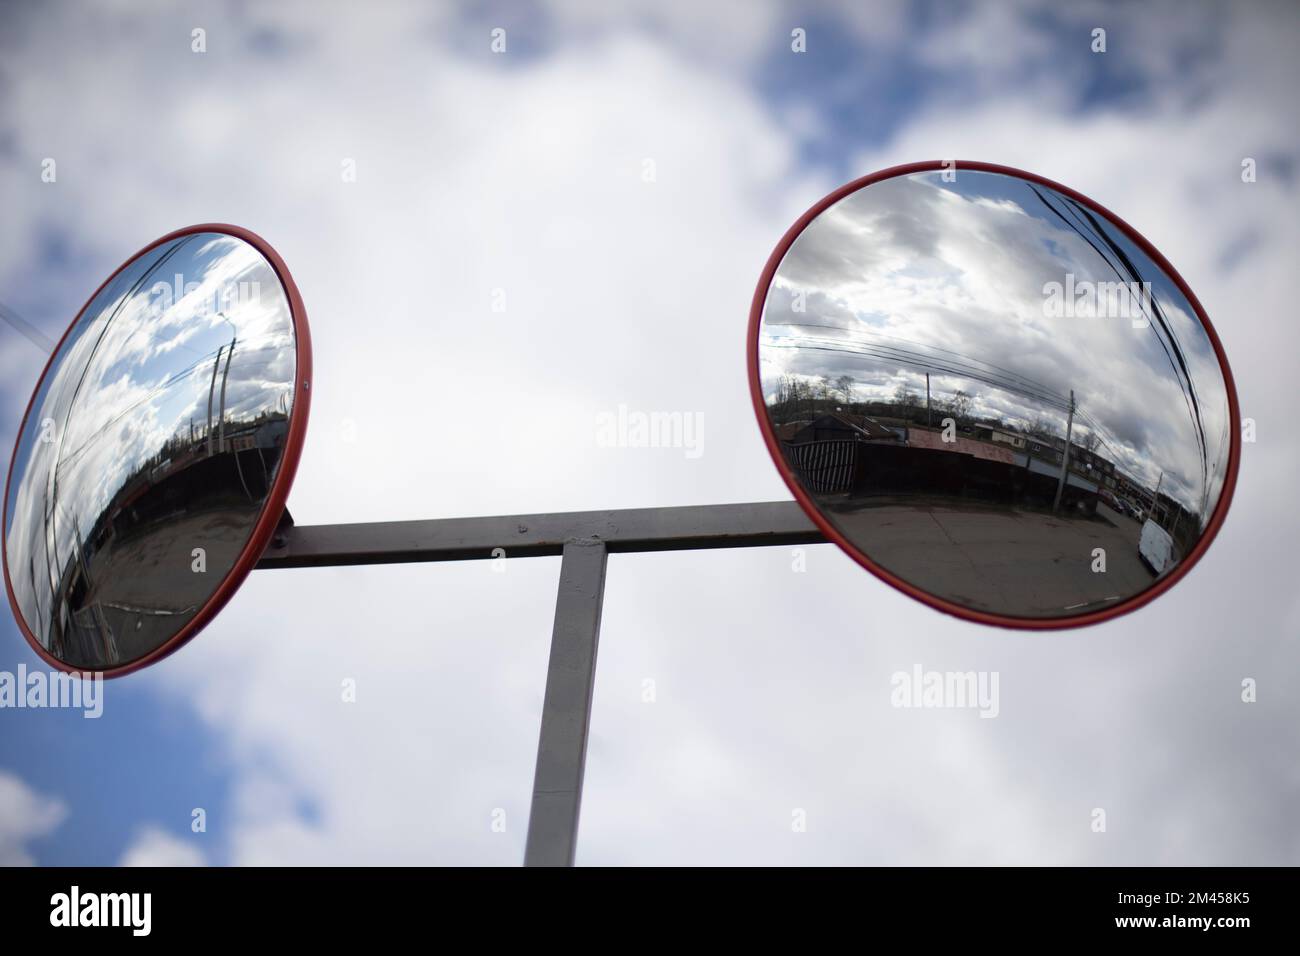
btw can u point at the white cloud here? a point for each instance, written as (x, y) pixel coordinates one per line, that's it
(156, 847)
(25, 815)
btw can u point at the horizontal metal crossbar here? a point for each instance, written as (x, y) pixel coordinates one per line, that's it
(523, 536)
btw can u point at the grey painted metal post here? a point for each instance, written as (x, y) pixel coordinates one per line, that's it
(566, 710)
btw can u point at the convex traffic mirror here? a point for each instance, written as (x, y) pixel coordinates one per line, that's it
(156, 454)
(993, 394)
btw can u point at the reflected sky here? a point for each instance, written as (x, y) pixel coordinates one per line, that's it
(157, 430)
(914, 275)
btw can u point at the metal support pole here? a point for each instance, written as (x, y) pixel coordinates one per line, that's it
(566, 711)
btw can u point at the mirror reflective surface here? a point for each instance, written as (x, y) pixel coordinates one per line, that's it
(149, 452)
(986, 388)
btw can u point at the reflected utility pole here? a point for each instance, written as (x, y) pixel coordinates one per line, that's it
(212, 388)
(221, 418)
(1065, 458)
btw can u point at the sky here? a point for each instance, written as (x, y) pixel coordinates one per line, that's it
(499, 250)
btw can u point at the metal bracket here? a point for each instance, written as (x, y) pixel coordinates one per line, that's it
(278, 539)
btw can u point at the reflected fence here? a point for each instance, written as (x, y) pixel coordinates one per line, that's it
(824, 467)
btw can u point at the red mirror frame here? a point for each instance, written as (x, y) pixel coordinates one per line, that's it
(272, 508)
(833, 535)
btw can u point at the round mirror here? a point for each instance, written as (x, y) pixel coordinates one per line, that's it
(156, 454)
(993, 394)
